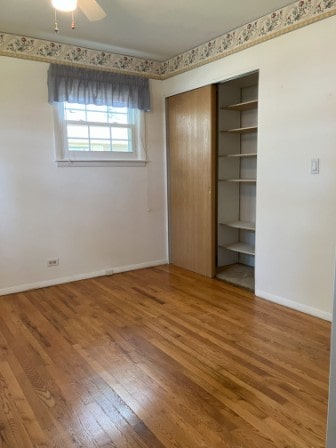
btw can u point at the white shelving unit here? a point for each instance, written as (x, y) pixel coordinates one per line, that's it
(242, 248)
(240, 225)
(246, 130)
(237, 179)
(246, 105)
(239, 155)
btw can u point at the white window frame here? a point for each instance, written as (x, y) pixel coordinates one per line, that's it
(64, 157)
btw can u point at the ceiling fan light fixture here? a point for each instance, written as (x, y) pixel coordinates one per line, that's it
(65, 5)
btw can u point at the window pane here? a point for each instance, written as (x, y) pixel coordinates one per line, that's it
(100, 145)
(96, 108)
(100, 132)
(98, 117)
(117, 110)
(84, 135)
(78, 131)
(120, 133)
(121, 146)
(118, 118)
(74, 114)
(75, 106)
(78, 145)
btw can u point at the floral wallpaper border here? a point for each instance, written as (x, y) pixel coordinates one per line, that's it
(54, 52)
(284, 20)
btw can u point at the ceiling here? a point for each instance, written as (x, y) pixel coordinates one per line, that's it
(152, 29)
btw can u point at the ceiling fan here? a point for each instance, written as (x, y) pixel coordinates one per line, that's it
(90, 8)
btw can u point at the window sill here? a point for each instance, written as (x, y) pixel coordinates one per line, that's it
(100, 163)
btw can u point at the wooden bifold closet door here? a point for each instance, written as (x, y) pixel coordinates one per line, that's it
(191, 177)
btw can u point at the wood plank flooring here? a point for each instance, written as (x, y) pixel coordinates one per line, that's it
(159, 358)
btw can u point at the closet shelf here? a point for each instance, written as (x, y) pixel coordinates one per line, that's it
(252, 154)
(238, 180)
(241, 248)
(247, 130)
(246, 105)
(244, 225)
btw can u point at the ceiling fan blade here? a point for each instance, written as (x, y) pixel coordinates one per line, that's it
(91, 9)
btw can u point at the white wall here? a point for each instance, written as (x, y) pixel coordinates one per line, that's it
(331, 433)
(296, 211)
(93, 219)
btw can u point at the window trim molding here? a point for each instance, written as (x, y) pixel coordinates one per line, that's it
(100, 163)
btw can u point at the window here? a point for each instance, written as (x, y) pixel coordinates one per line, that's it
(99, 115)
(99, 133)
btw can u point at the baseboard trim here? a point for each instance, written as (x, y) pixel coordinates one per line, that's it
(75, 278)
(294, 305)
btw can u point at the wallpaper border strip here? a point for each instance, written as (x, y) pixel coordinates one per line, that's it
(277, 23)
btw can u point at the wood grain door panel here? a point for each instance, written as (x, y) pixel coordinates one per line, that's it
(192, 134)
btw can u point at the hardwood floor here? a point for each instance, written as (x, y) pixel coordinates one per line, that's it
(159, 358)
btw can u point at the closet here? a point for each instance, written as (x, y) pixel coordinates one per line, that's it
(237, 179)
(212, 166)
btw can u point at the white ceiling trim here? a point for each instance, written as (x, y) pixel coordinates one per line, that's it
(284, 20)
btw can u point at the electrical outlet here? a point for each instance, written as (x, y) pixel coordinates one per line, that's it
(53, 262)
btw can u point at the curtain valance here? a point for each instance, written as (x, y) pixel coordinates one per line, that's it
(88, 86)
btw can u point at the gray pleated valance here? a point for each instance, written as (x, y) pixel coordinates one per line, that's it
(88, 86)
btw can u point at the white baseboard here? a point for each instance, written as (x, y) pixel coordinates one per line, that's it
(133, 267)
(294, 305)
(75, 278)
